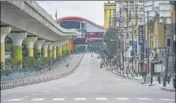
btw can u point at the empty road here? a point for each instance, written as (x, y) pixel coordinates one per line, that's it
(88, 84)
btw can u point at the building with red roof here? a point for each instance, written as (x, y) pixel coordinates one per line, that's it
(91, 33)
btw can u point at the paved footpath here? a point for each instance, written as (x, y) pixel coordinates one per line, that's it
(87, 84)
(169, 87)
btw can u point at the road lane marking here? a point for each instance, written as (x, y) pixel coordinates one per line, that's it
(145, 98)
(167, 99)
(80, 98)
(25, 97)
(122, 98)
(47, 90)
(101, 98)
(36, 94)
(58, 99)
(15, 99)
(37, 99)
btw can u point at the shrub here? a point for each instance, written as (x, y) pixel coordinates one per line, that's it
(29, 62)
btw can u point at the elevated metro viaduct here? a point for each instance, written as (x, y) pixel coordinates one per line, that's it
(26, 22)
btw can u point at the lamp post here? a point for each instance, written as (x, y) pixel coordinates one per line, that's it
(167, 55)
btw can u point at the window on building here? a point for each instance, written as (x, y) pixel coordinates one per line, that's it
(140, 1)
(70, 24)
(132, 2)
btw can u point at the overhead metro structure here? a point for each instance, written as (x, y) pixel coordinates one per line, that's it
(26, 22)
(90, 32)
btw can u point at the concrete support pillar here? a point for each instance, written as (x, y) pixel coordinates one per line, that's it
(58, 52)
(4, 31)
(50, 50)
(38, 45)
(55, 50)
(67, 45)
(60, 49)
(45, 49)
(29, 41)
(70, 45)
(63, 46)
(17, 38)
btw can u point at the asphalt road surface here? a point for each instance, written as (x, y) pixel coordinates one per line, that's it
(88, 84)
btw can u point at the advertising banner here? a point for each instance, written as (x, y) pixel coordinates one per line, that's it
(173, 29)
(145, 49)
(134, 47)
(141, 33)
(141, 39)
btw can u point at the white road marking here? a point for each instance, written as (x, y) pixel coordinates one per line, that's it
(18, 99)
(101, 98)
(122, 98)
(36, 94)
(15, 99)
(47, 90)
(25, 97)
(145, 98)
(58, 99)
(80, 98)
(167, 99)
(37, 99)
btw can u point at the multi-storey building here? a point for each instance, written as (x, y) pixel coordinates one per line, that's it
(90, 32)
(109, 14)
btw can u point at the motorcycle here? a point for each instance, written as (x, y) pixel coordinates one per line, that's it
(67, 65)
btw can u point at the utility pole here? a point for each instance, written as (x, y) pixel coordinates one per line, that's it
(127, 36)
(136, 9)
(119, 43)
(166, 57)
(148, 48)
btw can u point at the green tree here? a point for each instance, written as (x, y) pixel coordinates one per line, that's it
(111, 41)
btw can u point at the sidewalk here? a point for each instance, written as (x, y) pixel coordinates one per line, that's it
(169, 87)
(17, 75)
(58, 71)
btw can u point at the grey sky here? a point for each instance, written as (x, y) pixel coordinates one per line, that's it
(92, 10)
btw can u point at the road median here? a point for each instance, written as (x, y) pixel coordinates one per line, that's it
(41, 78)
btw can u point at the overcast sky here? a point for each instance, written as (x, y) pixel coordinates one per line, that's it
(92, 10)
